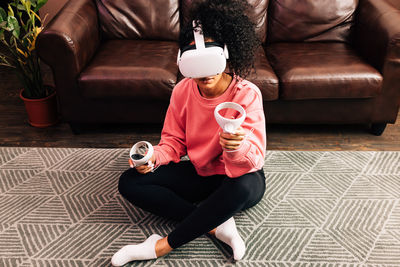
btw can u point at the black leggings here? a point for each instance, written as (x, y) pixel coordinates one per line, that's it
(176, 191)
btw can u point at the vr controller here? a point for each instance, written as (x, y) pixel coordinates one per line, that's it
(202, 59)
(141, 153)
(229, 125)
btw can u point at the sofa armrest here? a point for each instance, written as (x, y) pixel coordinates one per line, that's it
(377, 32)
(67, 44)
(69, 41)
(377, 39)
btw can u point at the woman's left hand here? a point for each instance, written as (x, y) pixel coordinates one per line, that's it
(232, 141)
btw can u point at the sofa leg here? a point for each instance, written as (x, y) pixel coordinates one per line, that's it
(378, 128)
(75, 128)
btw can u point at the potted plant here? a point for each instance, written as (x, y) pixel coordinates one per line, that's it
(19, 28)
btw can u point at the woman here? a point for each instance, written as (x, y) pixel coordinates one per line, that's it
(224, 174)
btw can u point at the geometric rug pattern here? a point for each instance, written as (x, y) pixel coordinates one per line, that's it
(60, 207)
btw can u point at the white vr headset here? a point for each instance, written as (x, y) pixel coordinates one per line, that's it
(202, 59)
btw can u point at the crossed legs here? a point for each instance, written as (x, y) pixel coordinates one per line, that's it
(201, 204)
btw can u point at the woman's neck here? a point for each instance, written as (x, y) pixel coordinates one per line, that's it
(219, 88)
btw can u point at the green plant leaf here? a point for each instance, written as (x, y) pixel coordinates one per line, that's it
(3, 15)
(27, 24)
(13, 24)
(10, 24)
(28, 6)
(19, 21)
(10, 11)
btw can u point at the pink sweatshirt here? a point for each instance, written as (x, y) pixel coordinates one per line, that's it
(190, 128)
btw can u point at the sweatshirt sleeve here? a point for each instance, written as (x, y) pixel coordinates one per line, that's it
(249, 157)
(172, 145)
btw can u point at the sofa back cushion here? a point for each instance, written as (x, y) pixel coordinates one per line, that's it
(258, 15)
(139, 19)
(310, 20)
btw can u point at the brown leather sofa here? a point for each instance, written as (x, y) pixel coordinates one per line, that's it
(321, 62)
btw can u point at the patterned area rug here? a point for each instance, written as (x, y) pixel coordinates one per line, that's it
(60, 207)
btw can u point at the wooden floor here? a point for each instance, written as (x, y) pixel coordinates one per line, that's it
(15, 131)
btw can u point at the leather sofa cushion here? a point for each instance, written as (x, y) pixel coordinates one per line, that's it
(131, 69)
(322, 70)
(264, 77)
(310, 20)
(258, 15)
(139, 19)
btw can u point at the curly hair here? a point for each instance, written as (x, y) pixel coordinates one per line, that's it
(226, 22)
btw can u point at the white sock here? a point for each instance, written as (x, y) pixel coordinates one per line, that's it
(142, 251)
(228, 234)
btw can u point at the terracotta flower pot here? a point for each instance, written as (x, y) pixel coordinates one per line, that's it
(41, 112)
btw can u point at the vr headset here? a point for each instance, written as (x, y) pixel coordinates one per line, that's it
(202, 59)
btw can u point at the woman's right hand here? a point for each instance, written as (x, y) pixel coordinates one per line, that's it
(143, 169)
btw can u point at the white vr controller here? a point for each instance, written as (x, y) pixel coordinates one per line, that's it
(141, 153)
(205, 60)
(229, 125)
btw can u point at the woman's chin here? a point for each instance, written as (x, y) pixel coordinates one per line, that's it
(208, 85)
(207, 81)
